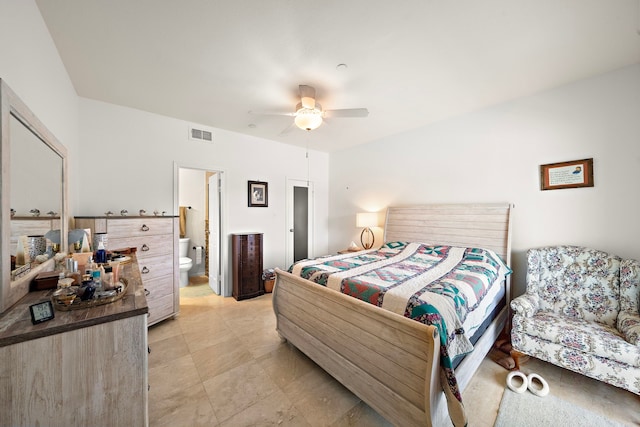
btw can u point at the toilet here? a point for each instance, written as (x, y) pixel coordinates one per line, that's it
(185, 261)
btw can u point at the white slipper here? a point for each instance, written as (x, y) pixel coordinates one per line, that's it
(523, 378)
(537, 385)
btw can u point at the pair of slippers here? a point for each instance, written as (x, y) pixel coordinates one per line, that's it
(519, 382)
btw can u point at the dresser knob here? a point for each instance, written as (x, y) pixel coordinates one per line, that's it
(145, 270)
(144, 248)
(144, 227)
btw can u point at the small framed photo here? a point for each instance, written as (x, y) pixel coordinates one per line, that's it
(574, 174)
(258, 194)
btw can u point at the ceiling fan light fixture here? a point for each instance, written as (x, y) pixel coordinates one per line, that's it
(308, 118)
(309, 114)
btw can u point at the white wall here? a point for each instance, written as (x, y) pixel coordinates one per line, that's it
(31, 66)
(129, 158)
(493, 155)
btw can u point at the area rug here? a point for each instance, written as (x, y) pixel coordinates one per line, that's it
(527, 409)
(195, 291)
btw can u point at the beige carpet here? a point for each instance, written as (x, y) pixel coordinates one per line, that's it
(196, 290)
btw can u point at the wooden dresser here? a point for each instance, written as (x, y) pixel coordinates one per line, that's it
(85, 367)
(246, 250)
(156, 240)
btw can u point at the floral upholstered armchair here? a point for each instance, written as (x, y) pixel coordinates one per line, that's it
(580, 312)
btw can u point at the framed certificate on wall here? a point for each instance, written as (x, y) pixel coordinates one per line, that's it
(573, 174)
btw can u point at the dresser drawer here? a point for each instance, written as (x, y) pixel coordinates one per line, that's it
(33, 227)
(147, 246)
(161, 298)
(159, 288)
(153, 268)
(160, 309)
(134, 227)
(30, 227)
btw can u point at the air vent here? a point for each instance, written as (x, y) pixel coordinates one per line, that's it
(197, 134)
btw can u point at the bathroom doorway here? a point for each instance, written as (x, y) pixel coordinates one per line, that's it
(199, 198)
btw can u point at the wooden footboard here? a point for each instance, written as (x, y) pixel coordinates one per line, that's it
(390, 362)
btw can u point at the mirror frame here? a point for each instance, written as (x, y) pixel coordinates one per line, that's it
(11, 105)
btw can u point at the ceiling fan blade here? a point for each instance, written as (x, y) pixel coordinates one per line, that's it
(272, 113)
(288, 129)
(308, 96)
(347, 112)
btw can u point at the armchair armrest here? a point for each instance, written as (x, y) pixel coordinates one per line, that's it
(525, 305)
(629, 326)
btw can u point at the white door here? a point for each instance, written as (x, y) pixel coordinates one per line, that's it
(299, 221)
(214, 233)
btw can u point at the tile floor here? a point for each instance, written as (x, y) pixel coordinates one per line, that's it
(221, 363)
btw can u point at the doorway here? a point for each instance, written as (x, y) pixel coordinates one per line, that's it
(299, 221)
(201, 191)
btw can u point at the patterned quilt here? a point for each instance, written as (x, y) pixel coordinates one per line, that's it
(436, 285)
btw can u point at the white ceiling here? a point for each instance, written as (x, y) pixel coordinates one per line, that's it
(410, 62)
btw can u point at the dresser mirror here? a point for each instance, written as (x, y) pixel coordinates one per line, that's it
(33, 192)
(36, 174)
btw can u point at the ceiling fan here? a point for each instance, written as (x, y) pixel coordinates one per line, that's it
(309, 114)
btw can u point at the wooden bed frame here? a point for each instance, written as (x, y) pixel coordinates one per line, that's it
(389, 361)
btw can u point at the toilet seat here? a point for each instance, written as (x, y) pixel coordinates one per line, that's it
(184, 261)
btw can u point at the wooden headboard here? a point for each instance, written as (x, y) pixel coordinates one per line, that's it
(468, 225)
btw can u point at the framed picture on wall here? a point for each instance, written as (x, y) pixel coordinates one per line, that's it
(258, 194)
(573, 174)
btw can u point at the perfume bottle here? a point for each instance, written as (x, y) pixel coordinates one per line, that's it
(65, 294)
(107, 279)
(101, 253)
(87, 290)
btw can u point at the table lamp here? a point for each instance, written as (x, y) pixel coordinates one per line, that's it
(367, 220)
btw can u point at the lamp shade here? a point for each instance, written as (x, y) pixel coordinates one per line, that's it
(53, 235)
(76, 235)
(366, 219)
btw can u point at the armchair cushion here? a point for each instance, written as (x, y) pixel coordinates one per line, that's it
(589, 338)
